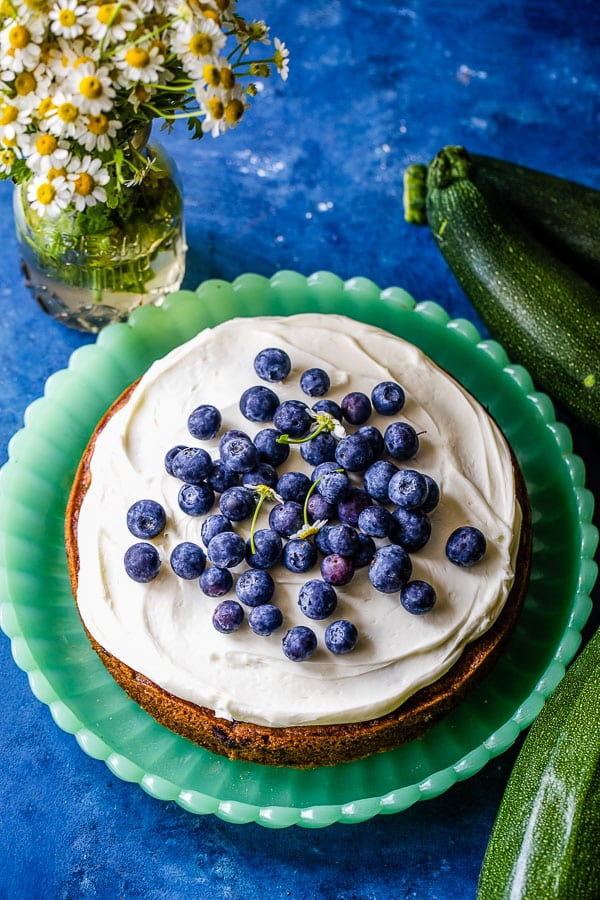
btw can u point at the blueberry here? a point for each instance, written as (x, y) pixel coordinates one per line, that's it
(170, 456)
(353, 453)
(375, 521)
(341, 636)
(188, 560)
(232, 434)
(237, 503)
(343, 539)
(390, 569)
(315, 382)
(213, 525)
(293, 486)
(216, 582)
(267, 551)
(192, 465)
(265, 619)
(292, 417)
(142, 562)
(466, 546)
(330, 407)
(286, 518)
(299, 555)
(264, 473)
(374, 439)
(417, 597)
(321, 448)
(337, 569)
(411, 529)
(377, 478)
(365, 552)
(317, 599)
(228, 616)
(322, 540)
(196, 499)
(269, 450)
(239, 454)
(323, 469)
(255, 586)
(226, 549)
(433, 495)
(220, 477)
(257, 404)
(272, 364)
(401, 440)
(299, 643)
(349, 509)
(334, 486)
(146, 518)
(204, 422)
(356, 407)
(317, 508)
(408, 489)
(388, 398)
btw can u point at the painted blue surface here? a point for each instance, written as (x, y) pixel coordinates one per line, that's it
(311, 180)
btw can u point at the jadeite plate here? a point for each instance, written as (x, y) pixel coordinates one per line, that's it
(39, 615)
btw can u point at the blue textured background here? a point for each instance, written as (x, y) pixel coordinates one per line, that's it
(312, 179)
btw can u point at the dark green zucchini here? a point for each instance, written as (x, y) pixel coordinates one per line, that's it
(545, 314)
(544, 843)
(563, 214)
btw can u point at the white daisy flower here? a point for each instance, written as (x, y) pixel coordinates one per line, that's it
(97, 132)
(63, 118)
(15, 119)
(92, 88)
(7, 160)
(28, 85)
(49, 198)
(20, 46)
(221, 109)
(282, 58)
(110, 22)
(46, 151)
(139, 63)
(88, 178)
(198, 44)
(65, 18)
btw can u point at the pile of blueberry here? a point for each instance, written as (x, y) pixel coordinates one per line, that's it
(356, 508)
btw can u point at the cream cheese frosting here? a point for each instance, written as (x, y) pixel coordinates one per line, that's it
(163, 629)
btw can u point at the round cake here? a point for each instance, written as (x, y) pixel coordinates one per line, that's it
(297, 540)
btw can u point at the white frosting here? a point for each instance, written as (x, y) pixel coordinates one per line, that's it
(163, 629)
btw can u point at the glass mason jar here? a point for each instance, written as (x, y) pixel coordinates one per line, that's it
(88, 271)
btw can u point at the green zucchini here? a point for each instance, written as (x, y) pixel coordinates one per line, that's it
(544, 313)
(544, 842)
(563, 214)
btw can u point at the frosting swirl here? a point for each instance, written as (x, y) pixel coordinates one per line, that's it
(163, 628)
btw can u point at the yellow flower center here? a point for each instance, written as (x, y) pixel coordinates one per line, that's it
(137, 58)
(211, 74)
(200, 44)
(19, 37)
(227, 78)
(45, 106)
(68, 112)
(90, 87)
(109, 14)
(7, 157)
(25, 83)
(46, 144)
(9, 114)
(67, 18)
(234, 111)
(9, 142)
(211, 14)
(46, 193)
(97, 124)
(84, 184)
(77, 62)
(215, 107)
(56, 173)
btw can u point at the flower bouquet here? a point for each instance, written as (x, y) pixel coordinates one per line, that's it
(99, 210)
